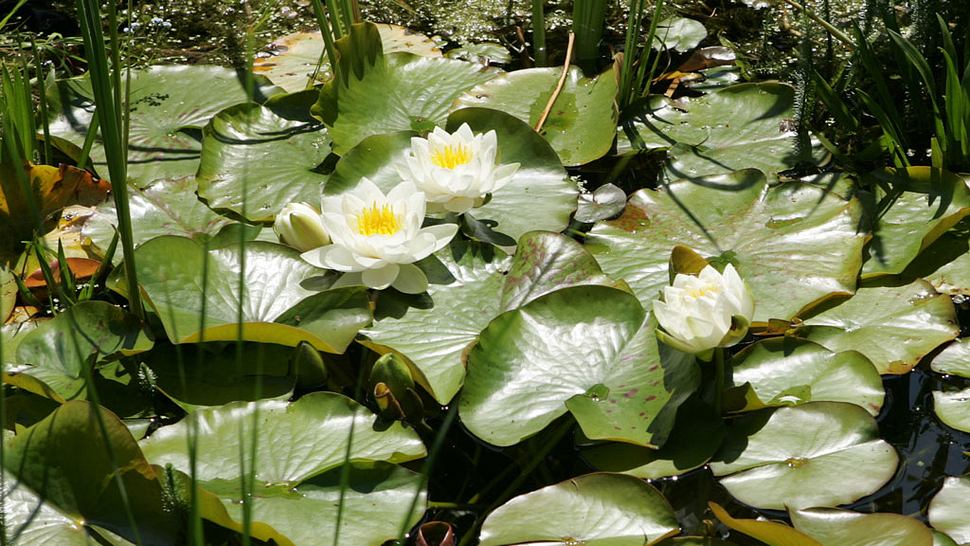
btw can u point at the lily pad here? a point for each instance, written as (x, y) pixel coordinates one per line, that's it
(373, 507)
(385, 93)
(796, 239)
(923, 204)
(954, 359)
(168, 104)
(582, 123)
(953, 408)
(770, 533)
(162, 207)
(946, 262)
(843, 527)
(254, 161)
(434, 338)
(679, 34)
(197, 376)
(301, 449)
(606, 202)
(45, 458)
(748, 125)
(949, 511)
(276, 307)
(814, 455)
(893, 326)
(583, 349)
(611, 509)
(786, 371)
(30, 520)
(56, 352)
(293, 58)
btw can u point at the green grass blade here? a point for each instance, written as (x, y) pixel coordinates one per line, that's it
(589, 17)
(539, 32)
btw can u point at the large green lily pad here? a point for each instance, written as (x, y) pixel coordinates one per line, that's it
(582, 122)
(595, 509)
(300, 452)
(748, 125)
(923, 204)
(953, 408)
(893, 326)
(954, 359)
(162, 207)
(254, 161)
(30, 520)
(787, 371)
(949, 511)
(276, 308)
(814, 455)
(56, 351)
(374, 507)
(168, 104)
(946, 262)
(294, 57)
(66, 461)
(434, 339)
(796, 239)
(843, 527)
(583, 349)
(385, 93)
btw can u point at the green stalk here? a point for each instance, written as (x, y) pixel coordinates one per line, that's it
(45, 122)
(839, 35)
(589, 16)
(111, 130)
(629, 50)
(340, 28)
(719, 380)
(328, 37)
(539, 32)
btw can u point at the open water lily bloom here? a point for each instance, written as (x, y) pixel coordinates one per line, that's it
(379, 236)
(703, 312)
(456, 171)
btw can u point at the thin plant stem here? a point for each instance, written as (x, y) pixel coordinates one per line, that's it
(839, 35)
(559, 86)
(719, 380)
(328, 37)
(539, 32)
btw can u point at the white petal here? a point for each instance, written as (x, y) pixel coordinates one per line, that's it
(460, 204)
(380, 278)
(332, 257)
(465, 132)
(411, 280)
(403, 191)
(443, 233)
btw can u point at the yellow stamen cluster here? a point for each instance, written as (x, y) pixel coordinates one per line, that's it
(377, 220)
(450, 157)
(703, 291)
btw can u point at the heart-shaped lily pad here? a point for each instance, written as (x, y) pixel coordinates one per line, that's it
(168, 103)
(582, 122)
(679, 34)
(56, 351)
(893, 326)
(748, 125)
(385, 93)
(28, 519)
(293, 58)
(544, 262)
(843, 527)
(583, 349)
(254, 161)
(923, 204)
(953, 408)
(300, 452)
(787, 371)
(954, 359)
(816, 454)
(797, 239)
(628, 512)
(276, 307)
(162, 207)
(949, 511)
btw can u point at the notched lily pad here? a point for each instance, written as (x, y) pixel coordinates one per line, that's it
(816, 454)
(949, 511)
(596, 508)
(832, 526)
(954, 359)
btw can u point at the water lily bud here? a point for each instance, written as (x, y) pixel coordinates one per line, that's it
(704, 312)
(456, 171)
(299, 225)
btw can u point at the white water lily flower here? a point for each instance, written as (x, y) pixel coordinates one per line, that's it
(701, 313)
(299, 225)
(380, 237)
(456, 170)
